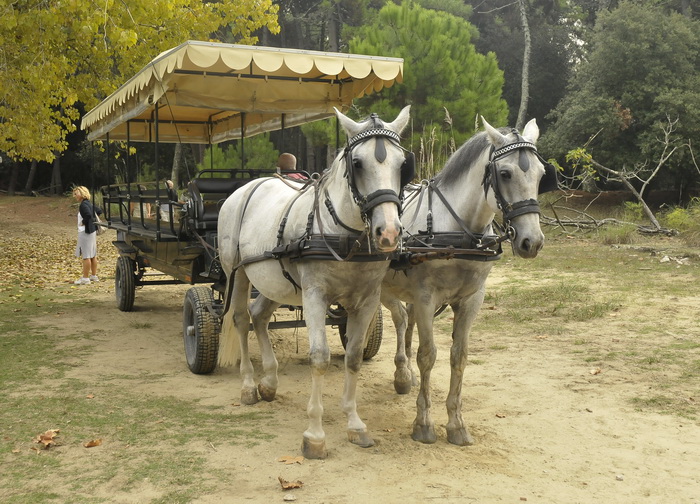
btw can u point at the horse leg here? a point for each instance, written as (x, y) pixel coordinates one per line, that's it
(410, 324)
(358, 323)
(241, 321)
(465, 311)
(315, 305)
(402, 374)
(261, 311)
(423, 426)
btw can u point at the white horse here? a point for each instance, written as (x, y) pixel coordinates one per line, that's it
(297, 245)
(452, 215)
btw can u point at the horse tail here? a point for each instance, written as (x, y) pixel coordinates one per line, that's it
(229, 343)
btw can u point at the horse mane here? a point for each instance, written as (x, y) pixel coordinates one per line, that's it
(465, 158)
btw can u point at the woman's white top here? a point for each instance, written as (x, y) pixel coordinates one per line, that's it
(81, 227)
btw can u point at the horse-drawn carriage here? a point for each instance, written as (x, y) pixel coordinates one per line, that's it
(293, 241)
(207, 93)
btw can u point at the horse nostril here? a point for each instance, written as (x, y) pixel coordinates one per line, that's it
(525, 245)
(378, 231)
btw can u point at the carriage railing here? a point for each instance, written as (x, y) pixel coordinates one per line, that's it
(153, 207)
(150, 206)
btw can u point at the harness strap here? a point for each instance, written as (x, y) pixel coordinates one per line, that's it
(336, 219)
(330, 249)
(453, 213)
(420, 193)
(280, 237)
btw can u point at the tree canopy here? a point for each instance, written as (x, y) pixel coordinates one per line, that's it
(58, 56)
(442, 69)
(642, 71)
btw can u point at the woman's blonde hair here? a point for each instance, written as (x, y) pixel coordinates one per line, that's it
(82, 191)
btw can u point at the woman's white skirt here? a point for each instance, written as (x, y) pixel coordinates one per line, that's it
(87, 245)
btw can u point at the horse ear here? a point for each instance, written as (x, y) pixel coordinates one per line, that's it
(401, 120)
(351, 127)
(531, 132)
(495, 136)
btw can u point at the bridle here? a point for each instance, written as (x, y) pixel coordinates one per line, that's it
(491, 180)
(368, 202)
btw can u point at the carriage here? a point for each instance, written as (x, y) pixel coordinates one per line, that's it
(207, 93)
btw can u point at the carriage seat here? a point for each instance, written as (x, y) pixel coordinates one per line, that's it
(207, 196)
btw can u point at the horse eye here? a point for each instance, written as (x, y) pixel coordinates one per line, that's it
(506, 175)
(357, 164)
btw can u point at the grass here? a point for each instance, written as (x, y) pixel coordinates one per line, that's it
(38, 395)
(584, 286)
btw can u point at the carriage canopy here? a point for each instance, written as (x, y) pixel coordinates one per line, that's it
(208, 92)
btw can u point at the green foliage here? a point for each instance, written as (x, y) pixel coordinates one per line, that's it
(617, 114)
(687, 221)
(618, 235)
(58, 57)
(684, 219)
(321, 133)
(260, 154)
(441, 68)
(633, 210)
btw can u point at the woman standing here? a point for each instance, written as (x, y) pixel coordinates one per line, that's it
(87, 237)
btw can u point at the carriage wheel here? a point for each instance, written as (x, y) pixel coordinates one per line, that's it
(125, 283)
(200, 329)
(373, 337)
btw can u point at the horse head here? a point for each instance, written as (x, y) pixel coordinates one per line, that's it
(377, 168)
(516, 174)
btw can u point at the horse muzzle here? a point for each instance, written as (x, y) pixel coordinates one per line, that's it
(386, 227)
(527, 244)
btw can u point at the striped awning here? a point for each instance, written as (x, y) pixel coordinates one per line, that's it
(207, 92)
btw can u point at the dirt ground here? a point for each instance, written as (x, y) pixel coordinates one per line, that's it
(546, 429)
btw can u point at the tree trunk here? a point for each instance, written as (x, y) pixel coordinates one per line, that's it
(685, 9)
(56, 184)
(177, 162)
(13, 179)
(628, 185)
(30, 178)
(525, 80)
(333, 29)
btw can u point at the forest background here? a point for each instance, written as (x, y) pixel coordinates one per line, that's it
(614, 85)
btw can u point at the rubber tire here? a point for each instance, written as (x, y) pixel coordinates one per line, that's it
(125, 283)
(374, 335)
(200, 331)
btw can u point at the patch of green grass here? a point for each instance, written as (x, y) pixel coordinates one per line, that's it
(38, 395)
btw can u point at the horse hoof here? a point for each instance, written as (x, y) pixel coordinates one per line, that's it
(267, 393)
(249, 396)
(402, 382)
(424, 434)
(314, 449)
(459, 437)
(360, 438)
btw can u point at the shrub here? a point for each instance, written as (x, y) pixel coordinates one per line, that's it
(618, 235)
(686, 221)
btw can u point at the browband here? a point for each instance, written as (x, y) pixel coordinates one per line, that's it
(374, 132)
(502, 151)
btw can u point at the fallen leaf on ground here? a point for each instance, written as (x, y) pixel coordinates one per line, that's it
(93, 443)
(288, 485)
(500, 415)
(288, 459)
(595, 371)
(47, 438)
(90, 396)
